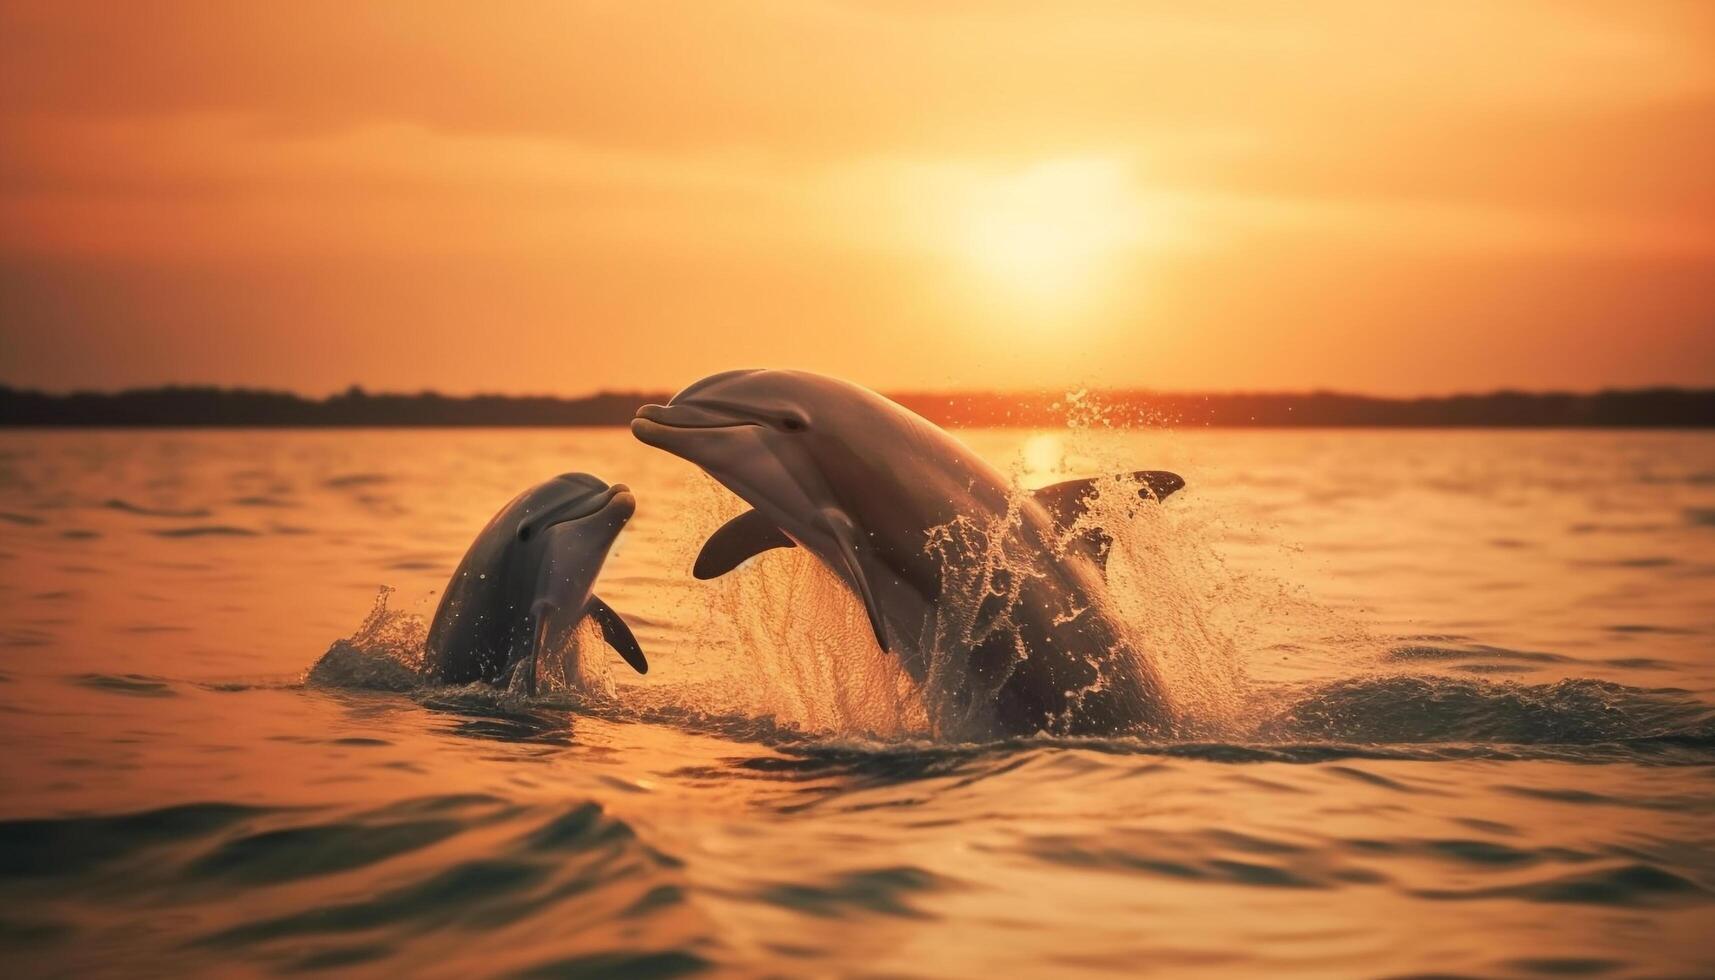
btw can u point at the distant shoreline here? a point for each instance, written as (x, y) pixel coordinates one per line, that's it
(209, 407)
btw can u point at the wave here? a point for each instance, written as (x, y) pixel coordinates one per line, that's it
(1416, 708)
(413, 881)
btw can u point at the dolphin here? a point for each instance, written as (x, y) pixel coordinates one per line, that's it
(527, 580)
(994, 599)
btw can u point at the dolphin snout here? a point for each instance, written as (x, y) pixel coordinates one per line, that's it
(650, 424)
(621, 503)
(642, 429)
(691, 416)
(673, 427)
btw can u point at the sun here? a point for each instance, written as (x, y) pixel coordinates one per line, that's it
(1052, 234)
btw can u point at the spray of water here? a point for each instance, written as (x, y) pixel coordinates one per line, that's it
(783, 639)
(1169, 588)
(386, 653)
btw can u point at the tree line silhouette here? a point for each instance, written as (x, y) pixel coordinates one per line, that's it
(192, 406)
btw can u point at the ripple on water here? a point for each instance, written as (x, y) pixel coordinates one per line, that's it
(1564, 966)
(133, 685)
(206, 531)
(879, 891)
(1626, 886)
(635, 964)
(318, 849)
(574, 866)
(127, 507)
(473, 889)
(71, 846)
(1415, 709)
(263, 501)
(23, 636)
(348, 480)
(571, 873)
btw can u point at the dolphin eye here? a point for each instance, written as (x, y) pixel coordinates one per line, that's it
(791, 424)
(524, 533)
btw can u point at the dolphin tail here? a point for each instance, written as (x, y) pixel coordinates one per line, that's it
(738, 540)
(1066, 502)
(617, 634)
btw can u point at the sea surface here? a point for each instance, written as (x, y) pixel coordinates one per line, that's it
(1448, 701)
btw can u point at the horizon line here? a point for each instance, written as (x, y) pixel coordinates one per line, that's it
(358, 390)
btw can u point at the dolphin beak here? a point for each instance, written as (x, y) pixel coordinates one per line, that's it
(648, 431)
(653, 413)
(657, 425)
(690, 416)
(621, 503)
(651, 433)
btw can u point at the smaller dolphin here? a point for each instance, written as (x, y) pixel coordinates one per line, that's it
(527, 580)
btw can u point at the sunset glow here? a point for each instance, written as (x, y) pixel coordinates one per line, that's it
(1459, 196)
(1050, 235)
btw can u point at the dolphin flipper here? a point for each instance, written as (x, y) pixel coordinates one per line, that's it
(1065, 502)
(744, 537)
(617, 634)
(541, 616)
(846, 537)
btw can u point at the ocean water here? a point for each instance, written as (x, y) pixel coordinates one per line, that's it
(1449, 702)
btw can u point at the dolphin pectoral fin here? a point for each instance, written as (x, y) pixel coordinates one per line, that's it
(848, 544)
(541, 615)
(744, 537)
(617, 634)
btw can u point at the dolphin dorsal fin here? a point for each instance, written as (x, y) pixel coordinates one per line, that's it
(738, 540)
(1065, 502)
(617, 634)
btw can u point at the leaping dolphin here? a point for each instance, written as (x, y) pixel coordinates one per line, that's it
(527, 579)
(993, 599)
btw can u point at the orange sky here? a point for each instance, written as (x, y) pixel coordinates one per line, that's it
(558, 197)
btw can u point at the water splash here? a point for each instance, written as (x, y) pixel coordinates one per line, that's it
(387, 652)
(574, 663)
(1172, 596)
(784, 640)
(782, 651)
